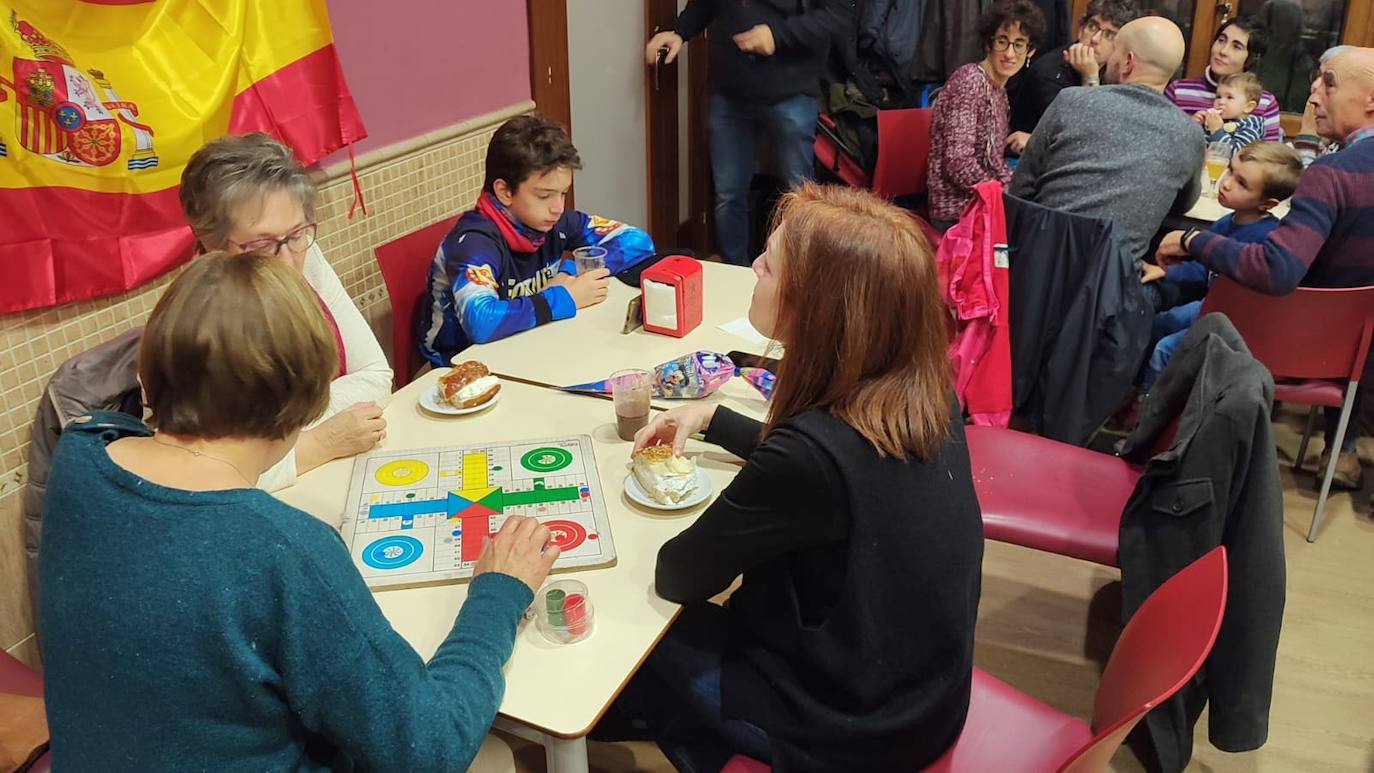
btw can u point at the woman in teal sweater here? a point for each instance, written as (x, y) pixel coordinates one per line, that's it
(193, 622)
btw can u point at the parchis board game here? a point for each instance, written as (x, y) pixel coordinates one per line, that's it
(421, 515)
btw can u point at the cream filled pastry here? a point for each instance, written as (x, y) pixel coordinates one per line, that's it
(666, 478)
(469, 384)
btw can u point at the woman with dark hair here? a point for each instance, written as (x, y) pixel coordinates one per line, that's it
(849, 643)
(1239, 46)
(970, 128)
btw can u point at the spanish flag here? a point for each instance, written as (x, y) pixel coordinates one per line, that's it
(102, 102)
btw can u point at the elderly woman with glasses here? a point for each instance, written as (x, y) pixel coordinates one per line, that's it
(969, 132)
(249, 193)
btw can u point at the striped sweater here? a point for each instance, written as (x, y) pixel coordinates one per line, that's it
(1243, 132)
(1327, 239)
(1195, 94)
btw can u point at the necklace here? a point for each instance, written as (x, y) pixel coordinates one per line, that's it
(199, 454)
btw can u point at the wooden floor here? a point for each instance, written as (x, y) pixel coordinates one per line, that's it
(1046, 625)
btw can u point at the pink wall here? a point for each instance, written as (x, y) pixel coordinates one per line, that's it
(419, 65)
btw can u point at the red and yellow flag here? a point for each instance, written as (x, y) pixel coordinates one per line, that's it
(102, 102)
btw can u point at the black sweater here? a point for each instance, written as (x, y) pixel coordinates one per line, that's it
(802, 33)
(851, 636)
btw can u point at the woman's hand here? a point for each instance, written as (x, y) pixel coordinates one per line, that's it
(1016, 142)
(675, 426)
(521, 549)
(351, 431)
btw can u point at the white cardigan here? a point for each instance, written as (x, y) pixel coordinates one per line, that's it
(369, 375)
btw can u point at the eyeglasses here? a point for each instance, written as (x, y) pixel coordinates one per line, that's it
(1001, 43)
(1092, 27)
(297, 241)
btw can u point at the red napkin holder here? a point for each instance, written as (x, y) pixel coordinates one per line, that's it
(684, 276)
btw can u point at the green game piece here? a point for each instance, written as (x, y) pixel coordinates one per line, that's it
(553, 602)
(498, 468)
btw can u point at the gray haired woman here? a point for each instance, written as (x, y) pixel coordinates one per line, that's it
(249, 192)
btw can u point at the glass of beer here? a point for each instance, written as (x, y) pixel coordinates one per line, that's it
(1218, 158)
(630, 391)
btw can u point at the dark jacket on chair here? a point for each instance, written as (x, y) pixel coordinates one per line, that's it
(104, 378)
(1216, 484)
(1080, 323)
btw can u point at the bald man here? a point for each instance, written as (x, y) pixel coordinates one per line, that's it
(1120, 152)
(1327, 239)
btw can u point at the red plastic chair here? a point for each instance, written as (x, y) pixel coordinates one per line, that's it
(405, 270)
(832, 155)
(903, 152)
(1160, 650)
(18, 679)
(1314, 342)
(1043, 494)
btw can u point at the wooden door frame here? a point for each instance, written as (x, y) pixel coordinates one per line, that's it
(661, 131)
(549, 68)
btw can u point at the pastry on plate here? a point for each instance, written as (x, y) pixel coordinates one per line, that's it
(468, 385)
(666, 478)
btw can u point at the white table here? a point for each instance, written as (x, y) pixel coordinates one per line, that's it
(554, 693)
(590, 346)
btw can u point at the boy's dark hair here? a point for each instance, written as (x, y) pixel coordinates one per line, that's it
(1118, 12)
(524, 146)
(1023, 13)
(1258, 42)
(1282, 167)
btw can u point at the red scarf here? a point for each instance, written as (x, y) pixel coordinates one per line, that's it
(519, 237)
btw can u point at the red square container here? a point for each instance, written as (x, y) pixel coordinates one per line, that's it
(683, 276)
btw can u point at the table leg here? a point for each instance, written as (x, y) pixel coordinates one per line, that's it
(566, 755)
(561, 755)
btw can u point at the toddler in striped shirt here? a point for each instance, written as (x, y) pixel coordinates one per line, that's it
(1232, 118)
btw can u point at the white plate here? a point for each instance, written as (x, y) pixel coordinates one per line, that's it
(429, 400)
(637, 493)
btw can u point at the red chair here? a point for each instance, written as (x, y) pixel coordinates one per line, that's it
(405, 270)
(1043, 494)
(1160, 650)
(1315, 352)
(831, 154)
(18, 679)
(903, 152)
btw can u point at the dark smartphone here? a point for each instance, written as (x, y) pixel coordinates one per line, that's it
(743, 360)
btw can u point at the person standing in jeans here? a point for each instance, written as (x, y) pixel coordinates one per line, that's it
(765, 66)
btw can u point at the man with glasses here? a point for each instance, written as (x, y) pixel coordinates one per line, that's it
(1327, 238)
(1077, 64)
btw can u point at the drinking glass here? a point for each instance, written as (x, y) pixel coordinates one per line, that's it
(631, 391)
(1218, 158)
(589, 258)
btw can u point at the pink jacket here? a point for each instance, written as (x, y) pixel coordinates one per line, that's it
(973, 266)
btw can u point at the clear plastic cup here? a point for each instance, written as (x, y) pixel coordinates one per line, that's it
(589, 258)
(563, 612)
(631, 391)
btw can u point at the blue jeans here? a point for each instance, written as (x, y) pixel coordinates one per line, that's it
(676, 693)
(789, 127)
(1167, 331)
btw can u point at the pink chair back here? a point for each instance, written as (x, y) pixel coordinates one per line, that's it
(404, 263)
(903, 152)
(1162, 647)
(1311, 333)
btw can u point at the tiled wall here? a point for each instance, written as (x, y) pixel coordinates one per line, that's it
(403, 194)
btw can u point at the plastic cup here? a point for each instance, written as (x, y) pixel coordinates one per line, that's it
(563, 612)
(631, 391)
(589, 258)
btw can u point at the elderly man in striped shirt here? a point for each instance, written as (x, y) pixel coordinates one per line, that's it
(1327, 239)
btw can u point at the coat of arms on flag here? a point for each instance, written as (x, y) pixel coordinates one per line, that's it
(102, 104)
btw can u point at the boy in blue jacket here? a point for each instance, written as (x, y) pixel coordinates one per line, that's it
(501, 270)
